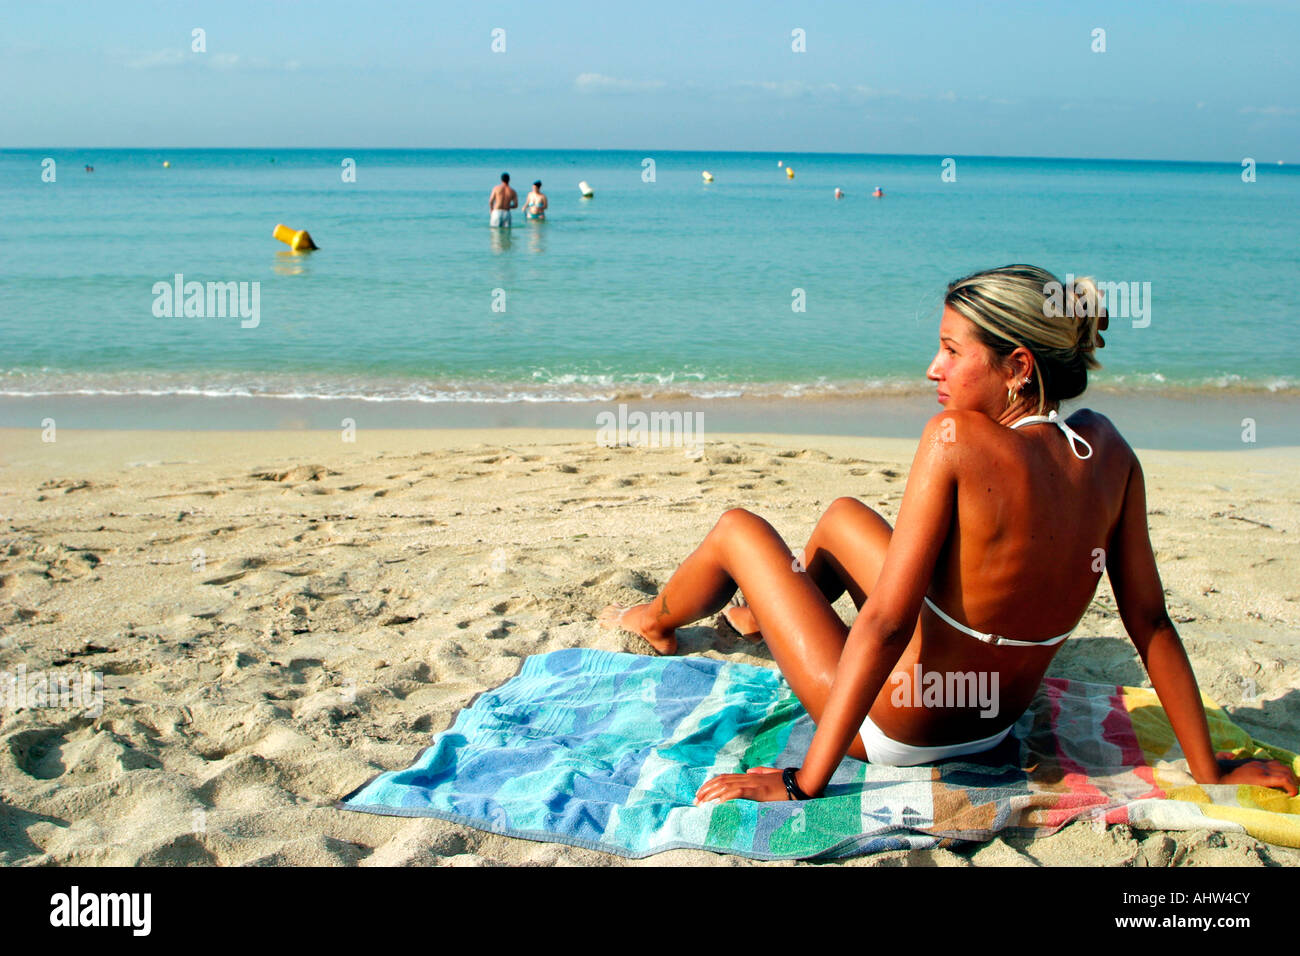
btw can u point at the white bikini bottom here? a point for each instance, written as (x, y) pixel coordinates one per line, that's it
(891, 753)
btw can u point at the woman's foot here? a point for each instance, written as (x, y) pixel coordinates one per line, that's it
(743, 622)
(640, 620)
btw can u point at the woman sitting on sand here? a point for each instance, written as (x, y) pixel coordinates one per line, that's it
(1007, 521)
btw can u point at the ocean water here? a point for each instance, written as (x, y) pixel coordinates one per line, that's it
(651, 287)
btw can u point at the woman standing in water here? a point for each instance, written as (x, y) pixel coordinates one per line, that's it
(536, 203)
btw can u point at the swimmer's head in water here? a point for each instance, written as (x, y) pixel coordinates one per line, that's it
(505, 177)
(1023, 306)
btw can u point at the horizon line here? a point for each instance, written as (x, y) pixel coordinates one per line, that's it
(621, 149)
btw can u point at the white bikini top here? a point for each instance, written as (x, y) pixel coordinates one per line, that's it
(996, 638)
(1051, 419)
(1073, 436)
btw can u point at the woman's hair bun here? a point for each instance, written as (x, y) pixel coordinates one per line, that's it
(1087, 303)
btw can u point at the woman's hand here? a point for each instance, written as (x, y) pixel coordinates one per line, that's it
(759, 783)
(1260, 773)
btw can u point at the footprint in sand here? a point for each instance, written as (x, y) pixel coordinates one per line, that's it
(300, 473)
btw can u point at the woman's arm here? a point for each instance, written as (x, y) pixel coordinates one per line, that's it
(888, 618)
(1131, 565)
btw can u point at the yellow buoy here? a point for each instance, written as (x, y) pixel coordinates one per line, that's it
(586, 191)
(708, 176)
(299, 240)
(789, 172)
(167, 164)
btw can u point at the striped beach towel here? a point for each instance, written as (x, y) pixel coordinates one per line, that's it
(606, 751)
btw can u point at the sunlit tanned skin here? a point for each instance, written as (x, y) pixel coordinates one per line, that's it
(503, 196)
(1034, 520)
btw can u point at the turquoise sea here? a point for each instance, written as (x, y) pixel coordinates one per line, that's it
(672, 285)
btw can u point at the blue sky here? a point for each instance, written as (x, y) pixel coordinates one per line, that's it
(1188, 80)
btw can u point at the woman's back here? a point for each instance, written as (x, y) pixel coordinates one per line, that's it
(1032, 523)
(1025, 550)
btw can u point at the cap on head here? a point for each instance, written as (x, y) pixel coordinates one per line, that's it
(537, 182)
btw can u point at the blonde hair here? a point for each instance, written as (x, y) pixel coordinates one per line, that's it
(1023, 305)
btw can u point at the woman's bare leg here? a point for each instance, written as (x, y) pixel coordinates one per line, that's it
(803, 632)
(844, 553)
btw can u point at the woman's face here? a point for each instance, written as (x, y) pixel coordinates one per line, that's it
(963, 369)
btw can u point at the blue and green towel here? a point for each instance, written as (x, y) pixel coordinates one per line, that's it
(606, 751)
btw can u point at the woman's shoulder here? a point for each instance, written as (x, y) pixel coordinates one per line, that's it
(1096, 427)
(962, 429)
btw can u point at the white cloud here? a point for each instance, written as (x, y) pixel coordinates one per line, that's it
(831, 92)
(791, 89)
(599, 83)
(159, 58)
(177, 59)
(1269, 110)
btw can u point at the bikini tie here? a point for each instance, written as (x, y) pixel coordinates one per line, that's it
(1051, 419)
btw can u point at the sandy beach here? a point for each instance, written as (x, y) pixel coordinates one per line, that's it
(279, 615)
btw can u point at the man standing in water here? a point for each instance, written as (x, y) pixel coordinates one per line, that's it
(502, 200)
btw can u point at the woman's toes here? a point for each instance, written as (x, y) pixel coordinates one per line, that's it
(743, 620)
(633, 619)
(611, 616)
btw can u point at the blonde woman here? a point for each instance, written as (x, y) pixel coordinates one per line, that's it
(993, 561)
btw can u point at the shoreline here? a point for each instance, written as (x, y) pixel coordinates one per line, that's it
(22, 450)
(1192, 421)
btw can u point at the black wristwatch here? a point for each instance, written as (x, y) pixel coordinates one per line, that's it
(791, 785)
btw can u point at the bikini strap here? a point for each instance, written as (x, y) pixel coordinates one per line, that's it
(993, 638)
(1052, 419)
